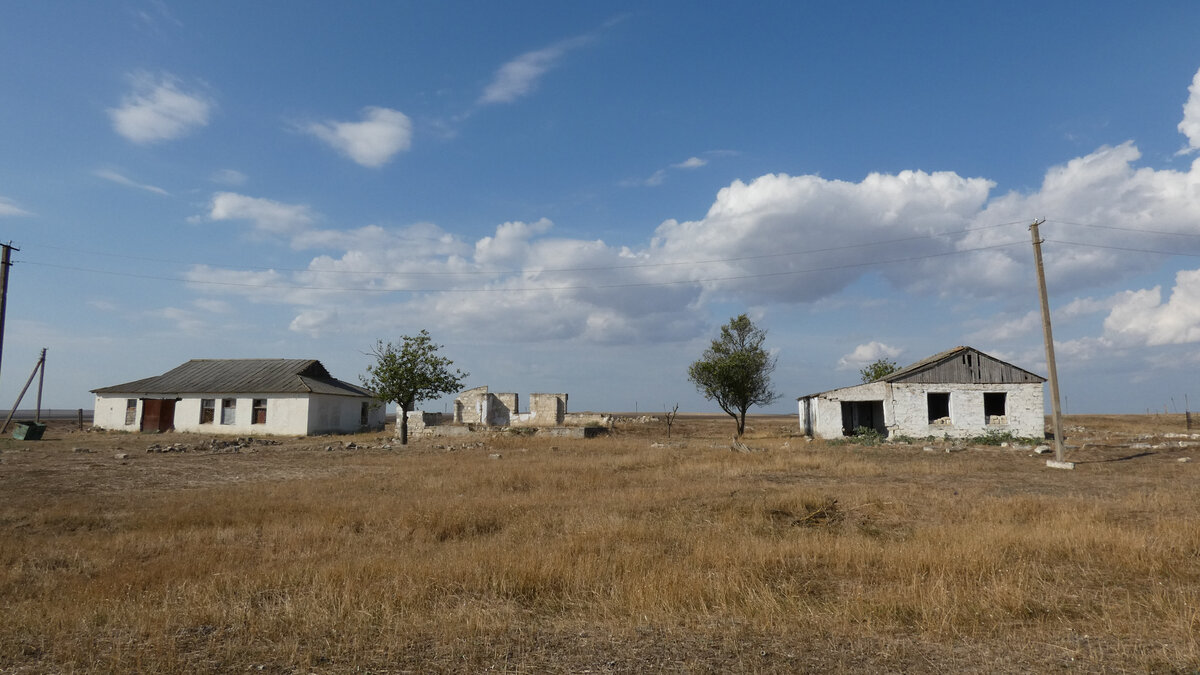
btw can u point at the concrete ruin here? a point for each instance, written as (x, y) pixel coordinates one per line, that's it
(478, 409)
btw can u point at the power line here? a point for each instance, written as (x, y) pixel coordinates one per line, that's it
(1124, 229)
(1122, 248)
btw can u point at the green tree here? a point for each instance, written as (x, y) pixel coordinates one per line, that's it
(736, 371)
(408, 373)
(878, 370)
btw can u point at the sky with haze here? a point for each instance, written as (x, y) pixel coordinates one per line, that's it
(574, 197)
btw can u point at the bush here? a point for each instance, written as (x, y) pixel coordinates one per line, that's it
(867, 436)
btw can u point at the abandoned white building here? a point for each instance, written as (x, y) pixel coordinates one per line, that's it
(479, 406)
(958, 393)
(479, 409)
(293, 397)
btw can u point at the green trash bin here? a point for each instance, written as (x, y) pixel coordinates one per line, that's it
(29, 431)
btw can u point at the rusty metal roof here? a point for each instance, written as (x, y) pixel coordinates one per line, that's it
(241, 376)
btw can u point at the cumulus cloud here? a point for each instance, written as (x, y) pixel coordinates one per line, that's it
(1189, 126)
(1142, 318)
(520, 76)
(230, 177)
(121, 179)
(9, 208)
(372, 142)
(158, 109)
(868, 353)
(1006, 328)
(266, 215)
(776, 239)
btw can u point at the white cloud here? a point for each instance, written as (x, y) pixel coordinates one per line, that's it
(9, 208)
(1189, 126)
(656, 178)
(520, 76)
(120, 179)
(691, 163)
(776, 239)
(867, 353)
(1005, 328)
(158, 110)
(266, 215)
(373, 142)
(1141, 318)
(1083, 307)
(230, 177)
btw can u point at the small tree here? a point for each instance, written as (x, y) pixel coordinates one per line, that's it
(408, 373)
(878, 370)
(670, 417)
(736, 371)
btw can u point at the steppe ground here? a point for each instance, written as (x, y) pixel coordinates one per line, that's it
(626, 553)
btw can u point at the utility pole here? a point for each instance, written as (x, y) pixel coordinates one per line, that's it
(5, 263)
(1058, 462)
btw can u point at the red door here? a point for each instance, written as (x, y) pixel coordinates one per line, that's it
(158, 414)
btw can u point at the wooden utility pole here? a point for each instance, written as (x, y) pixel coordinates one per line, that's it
(5, 263)
(1058, 462)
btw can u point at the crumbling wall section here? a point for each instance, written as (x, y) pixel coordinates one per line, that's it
(547, 410)
(420, 422)
(503, 410)
(471, 406)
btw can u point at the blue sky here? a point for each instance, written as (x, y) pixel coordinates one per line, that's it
(575, 196)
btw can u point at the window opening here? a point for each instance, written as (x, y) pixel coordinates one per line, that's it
(939, 408)
(364, 415)
(228, 410)
(130, 411)
(208, 408)
(260, 411)
(995, 407)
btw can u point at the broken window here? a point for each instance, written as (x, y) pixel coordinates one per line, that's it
(228, 410)
(208, 409)
(364, 416)
(995, 407)
(130, 411)
(939, 407)
(260, 411)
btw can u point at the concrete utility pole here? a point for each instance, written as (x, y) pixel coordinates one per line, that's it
(5, 263)
(1058, 462)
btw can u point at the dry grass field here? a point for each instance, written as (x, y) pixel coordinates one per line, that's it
(627, 553)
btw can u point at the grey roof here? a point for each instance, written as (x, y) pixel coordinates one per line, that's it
(241, 376)
(931, 361)
(928, 363)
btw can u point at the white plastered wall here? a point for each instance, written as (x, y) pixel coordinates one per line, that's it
(906, 409)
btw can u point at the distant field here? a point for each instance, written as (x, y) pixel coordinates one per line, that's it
(629, 553)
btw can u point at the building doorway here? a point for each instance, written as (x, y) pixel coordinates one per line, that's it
(158, 415)
(867, 414)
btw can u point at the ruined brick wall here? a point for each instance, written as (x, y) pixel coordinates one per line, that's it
(471, 406)
(547, 410)
(503, 409)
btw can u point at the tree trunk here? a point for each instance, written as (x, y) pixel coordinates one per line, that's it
(403, 422)
(741, 420)
(737, 422)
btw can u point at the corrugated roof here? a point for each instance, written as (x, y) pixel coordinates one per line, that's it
(241, 376)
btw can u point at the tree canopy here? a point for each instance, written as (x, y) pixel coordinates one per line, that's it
(735, 371)
(408, 373)
(877, 370)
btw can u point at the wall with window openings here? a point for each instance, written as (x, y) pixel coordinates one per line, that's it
(926, 409)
